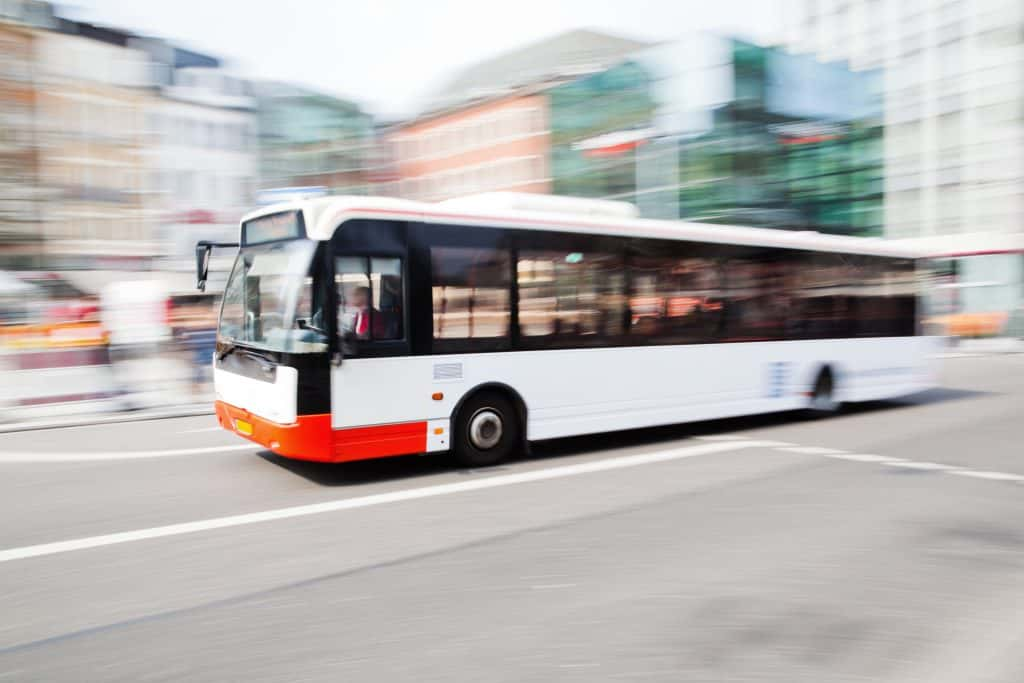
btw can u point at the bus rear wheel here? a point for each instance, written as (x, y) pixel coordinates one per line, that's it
(823, 400)
(487, 430)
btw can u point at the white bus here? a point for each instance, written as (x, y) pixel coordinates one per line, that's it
(356, 328)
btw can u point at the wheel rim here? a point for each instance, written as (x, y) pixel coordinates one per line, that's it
(822, 399)
(485, 429)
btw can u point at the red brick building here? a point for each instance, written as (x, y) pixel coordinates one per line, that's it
(490, 129)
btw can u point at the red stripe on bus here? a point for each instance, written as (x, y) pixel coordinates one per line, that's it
(311, 436)
(359, 443)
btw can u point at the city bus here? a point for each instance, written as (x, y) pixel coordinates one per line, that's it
(359, 327)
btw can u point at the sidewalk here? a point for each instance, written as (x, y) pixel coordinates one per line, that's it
(101, 416)
(157, 388)
(976, 347)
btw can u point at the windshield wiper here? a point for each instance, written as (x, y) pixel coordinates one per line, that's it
(257, 354)
(229, 347)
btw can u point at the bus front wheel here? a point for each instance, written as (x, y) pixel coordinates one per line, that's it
(487, 430)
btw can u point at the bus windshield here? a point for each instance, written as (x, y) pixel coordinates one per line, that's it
(269, 299)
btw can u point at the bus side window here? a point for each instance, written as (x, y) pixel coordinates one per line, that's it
(470, 294)
(370, 297)
(675, 299)
(570, 298)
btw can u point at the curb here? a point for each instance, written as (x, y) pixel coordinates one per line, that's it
(89, 420)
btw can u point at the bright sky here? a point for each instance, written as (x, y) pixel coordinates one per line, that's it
(388, 54)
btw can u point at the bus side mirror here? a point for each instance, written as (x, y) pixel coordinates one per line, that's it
(203, 250)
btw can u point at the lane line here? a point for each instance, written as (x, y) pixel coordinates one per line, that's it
(863, 457)
(720, 437)
(729, 437)
(995, 476)
(120, 455)
(914, 465)
(811, 450)
(377, 499)
(888, 461)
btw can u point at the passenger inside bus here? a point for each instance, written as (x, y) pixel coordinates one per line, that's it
(355, 317)
(358, 316)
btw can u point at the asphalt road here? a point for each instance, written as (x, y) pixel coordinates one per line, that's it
(885, 544)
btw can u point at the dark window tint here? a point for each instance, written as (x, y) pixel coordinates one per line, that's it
(758, 296)
(885, 297)
(470, 291)
(570, 297)
(822, 306)
(675, 299)
(370, 296)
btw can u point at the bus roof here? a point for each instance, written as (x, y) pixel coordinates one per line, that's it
(323, 215)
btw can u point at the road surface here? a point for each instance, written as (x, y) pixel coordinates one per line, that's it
(885, 544)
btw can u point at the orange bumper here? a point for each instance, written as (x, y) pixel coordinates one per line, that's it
(311, 436)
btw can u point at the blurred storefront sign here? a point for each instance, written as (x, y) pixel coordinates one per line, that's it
(614, 143)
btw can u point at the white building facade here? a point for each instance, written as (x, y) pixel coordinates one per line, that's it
(203, 156)
(954, 124)
(90, 99)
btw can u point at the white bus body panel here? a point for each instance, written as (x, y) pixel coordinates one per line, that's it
(578, 391)
(276, 401)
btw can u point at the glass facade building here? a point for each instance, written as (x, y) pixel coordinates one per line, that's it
(719, 130)
(586, 161)
(309, 138)
(800, 145)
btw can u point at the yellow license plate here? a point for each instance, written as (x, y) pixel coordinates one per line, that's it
(243, 427)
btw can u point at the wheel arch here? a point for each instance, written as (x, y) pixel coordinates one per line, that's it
(820, 370)
(508, 392)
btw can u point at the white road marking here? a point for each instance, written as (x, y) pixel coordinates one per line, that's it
(996, 476)
(376, 499)
(906, 464)
(863, 457)
(548, 586)
(120, 455)
(913, 465)
(811, 450)
(203, 429)
(721, 437)
(583, 665)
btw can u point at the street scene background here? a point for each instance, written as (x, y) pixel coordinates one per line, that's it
(122, 148)
(141, 541)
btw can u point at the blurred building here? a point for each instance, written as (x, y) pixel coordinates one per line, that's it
(307, 138)
(954, 96)
(21, 205)
(202, 153)
(491, 128)
(90, 103)
(751, 135)
(705, 128)
(598, 124)
(19, 201)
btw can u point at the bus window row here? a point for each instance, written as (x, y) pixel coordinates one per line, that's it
(570, 298)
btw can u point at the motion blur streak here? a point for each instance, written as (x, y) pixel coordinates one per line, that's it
(121, 150)
(394, 497)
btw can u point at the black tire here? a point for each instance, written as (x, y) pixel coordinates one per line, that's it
(486, 416)
(823, 401)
